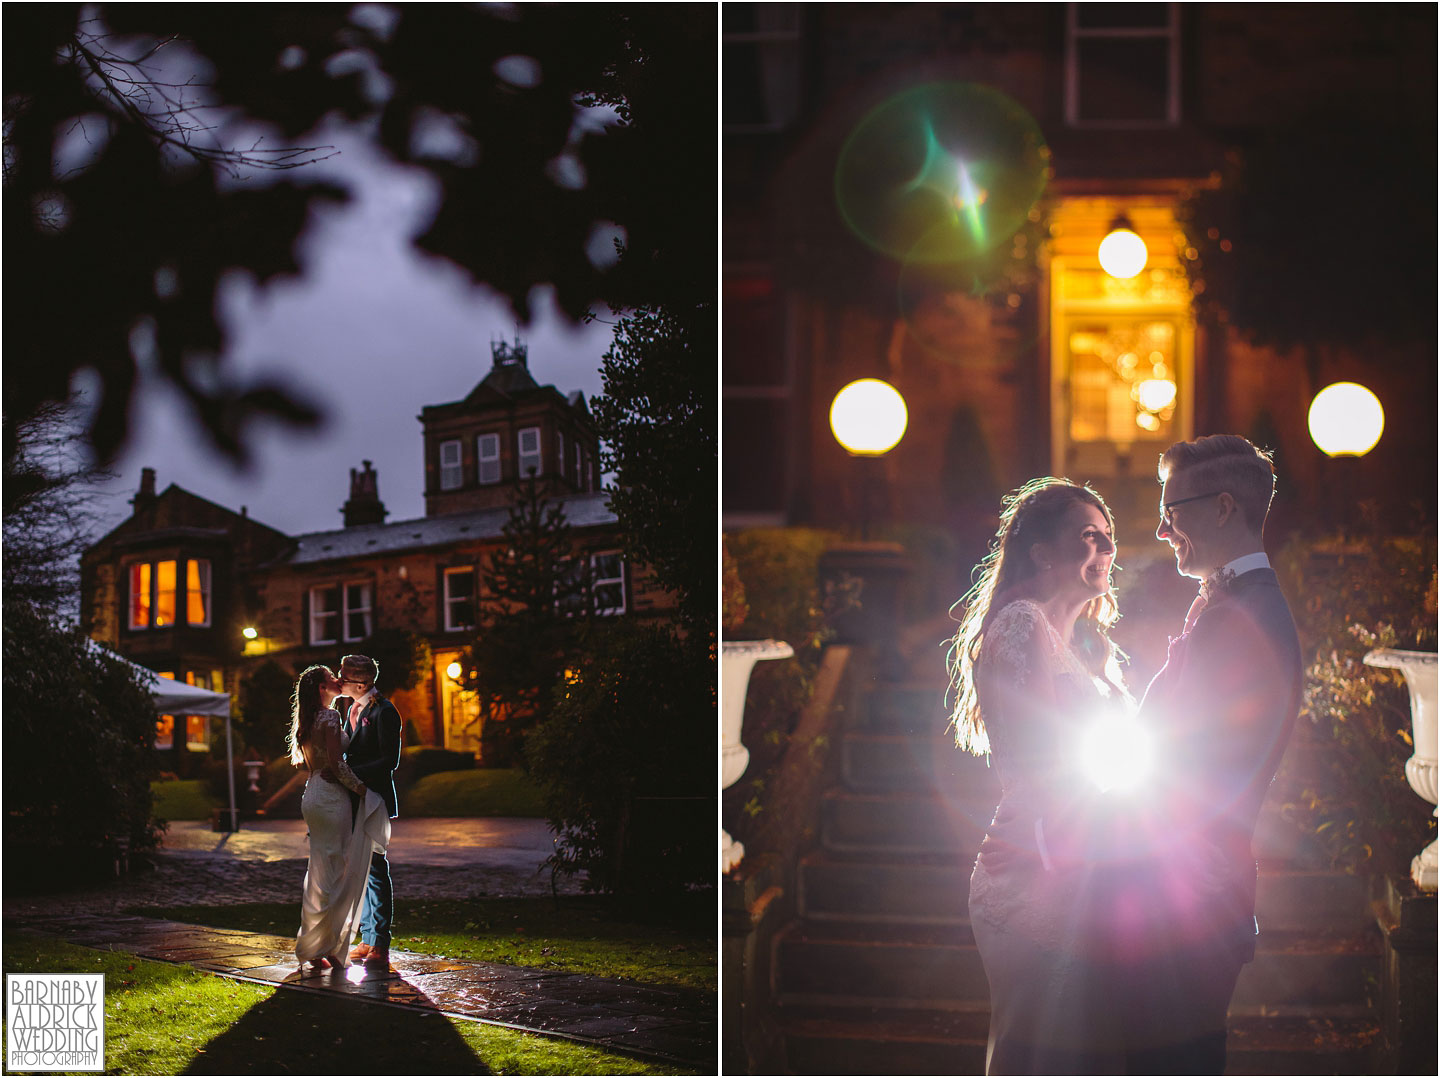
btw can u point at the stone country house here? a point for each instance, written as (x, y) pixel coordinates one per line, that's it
(206, 595)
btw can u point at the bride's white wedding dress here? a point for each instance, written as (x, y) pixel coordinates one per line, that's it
(1031, 907)
(341, 843)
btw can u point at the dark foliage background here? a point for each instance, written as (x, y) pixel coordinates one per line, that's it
(79, 755)
(153, 149)
(626, 760)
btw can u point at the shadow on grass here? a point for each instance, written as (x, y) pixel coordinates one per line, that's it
(323, 1034)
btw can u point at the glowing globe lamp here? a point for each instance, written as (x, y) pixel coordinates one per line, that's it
(249, 632)
(1346, 420)
(1156, 394)
(1116, 754)
(868, 417)
(453, 671)
(1122, 254)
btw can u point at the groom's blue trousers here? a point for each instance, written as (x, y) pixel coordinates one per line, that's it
(379, 904)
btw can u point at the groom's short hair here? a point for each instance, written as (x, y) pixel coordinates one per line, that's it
(362, 666)
(1228, 463)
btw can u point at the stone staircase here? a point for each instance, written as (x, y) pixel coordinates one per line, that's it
(878, 973)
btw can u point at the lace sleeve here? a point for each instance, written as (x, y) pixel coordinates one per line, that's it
(348, 778)
(1015, 647)
(328, 723)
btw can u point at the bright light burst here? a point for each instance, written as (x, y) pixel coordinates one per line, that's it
(1116, 753)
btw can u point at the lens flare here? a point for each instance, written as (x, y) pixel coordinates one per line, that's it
(1116, 754)
(941, 172)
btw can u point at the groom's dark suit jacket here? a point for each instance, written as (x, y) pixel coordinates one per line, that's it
(374, 751)
(1223, 707)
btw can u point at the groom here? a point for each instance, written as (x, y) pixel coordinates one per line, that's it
(1223, 706)
(374, 753)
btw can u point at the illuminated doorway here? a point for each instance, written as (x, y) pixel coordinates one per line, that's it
(1122, 369)
(459, 709)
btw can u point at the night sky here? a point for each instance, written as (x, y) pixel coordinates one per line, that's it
(402, 329)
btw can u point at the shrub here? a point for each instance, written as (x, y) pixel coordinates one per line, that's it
(418, 762)
(263, 716)
(779, 569)
(403, 656)
(626, 762)
(1346, 784)
(79, 746)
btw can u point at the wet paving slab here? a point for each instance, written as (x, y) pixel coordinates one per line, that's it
(671, 1025)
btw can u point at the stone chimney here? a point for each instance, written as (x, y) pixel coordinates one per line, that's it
(364, 506)
(145, 496)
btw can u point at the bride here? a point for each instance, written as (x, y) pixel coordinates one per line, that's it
(1032, 664)
(342, 838)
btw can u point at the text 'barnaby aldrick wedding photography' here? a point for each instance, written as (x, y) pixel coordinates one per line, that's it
(55, 1022)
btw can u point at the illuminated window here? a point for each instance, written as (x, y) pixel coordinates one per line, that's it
(1122, 65)
(165, 732)
(488, 451)
(328, 617)
(197, 592)
(459, 599)
(140, 596)
(155, 596)
(530, 463)
(164, 594)
(197, 727)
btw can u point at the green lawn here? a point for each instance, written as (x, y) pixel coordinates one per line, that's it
(488, 791)
(165, 1019)
(675, 945)
(182, 799)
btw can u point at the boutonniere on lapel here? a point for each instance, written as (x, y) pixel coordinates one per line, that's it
(1217, 584)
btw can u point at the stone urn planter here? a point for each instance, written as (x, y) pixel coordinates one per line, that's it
(737, 660)
(1420, 670)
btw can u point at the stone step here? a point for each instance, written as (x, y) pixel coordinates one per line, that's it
(852, 1041)
(909, 892)
(885, 763)
(907, 969)
(910, 823)
(935, 890)
(931, 766)
(861, 1040)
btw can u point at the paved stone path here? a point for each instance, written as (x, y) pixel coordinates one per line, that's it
(475, 858)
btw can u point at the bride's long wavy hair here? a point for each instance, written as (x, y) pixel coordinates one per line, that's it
(1030, 515)
(304, 704)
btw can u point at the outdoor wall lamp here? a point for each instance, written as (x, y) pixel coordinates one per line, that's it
(868, 417)
(250, 632)
(1122, 251)
(453, 671)
(1346, 420)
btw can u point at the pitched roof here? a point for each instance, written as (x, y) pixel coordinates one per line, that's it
(581, 511)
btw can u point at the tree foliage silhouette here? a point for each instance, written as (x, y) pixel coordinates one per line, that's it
(151, 150)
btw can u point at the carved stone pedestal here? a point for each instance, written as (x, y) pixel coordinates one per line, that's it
(1407, 918)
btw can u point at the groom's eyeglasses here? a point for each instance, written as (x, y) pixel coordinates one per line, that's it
(1165, 507)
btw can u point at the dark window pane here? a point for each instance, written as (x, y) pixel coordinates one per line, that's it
(1121, 16)
(743, 102)
(755, 463)
(1123, 80)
